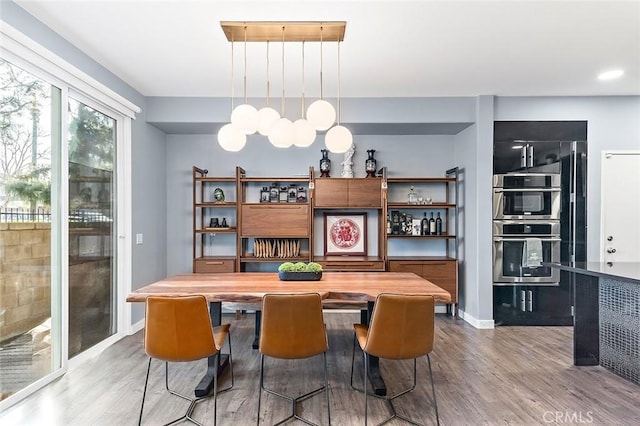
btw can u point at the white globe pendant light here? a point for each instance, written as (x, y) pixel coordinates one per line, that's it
(338, 139)
(231, 139)
(304, 133)
(281, 134)
(266, 117)
(245, 118)
(321, 114)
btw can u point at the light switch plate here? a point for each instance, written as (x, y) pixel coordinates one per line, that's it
(139, 239)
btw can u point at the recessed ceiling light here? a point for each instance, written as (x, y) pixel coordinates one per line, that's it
(610, 75)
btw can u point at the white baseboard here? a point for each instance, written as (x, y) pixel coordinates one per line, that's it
(481, 324)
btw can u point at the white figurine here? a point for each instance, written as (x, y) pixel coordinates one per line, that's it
(347, 171)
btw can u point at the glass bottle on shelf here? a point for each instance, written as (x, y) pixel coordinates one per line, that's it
(293, 194)
(273, 193)
(432, 225)
(284, 193)
(424, 225)
(264, 194)
(388, 224)
(438, 225)
(413, 196)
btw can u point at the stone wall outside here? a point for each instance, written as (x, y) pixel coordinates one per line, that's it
(25, 277)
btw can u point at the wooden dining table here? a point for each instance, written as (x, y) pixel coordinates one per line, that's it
(337, 289)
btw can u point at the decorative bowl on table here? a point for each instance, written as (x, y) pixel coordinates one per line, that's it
(300, 276)
(300, 271)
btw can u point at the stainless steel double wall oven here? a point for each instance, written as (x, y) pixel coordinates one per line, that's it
(526, 208)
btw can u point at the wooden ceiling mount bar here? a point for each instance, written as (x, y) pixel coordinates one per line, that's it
(294, 30)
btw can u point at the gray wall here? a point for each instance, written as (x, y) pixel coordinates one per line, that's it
(148, 211)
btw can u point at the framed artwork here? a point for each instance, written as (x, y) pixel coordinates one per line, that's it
(345, 234)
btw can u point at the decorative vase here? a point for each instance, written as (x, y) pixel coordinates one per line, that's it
(370, 164)
(325, 163)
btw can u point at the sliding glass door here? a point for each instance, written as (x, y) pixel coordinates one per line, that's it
(30, 286)
(92, 291)
(58, 264)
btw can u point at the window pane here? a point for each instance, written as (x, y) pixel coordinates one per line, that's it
(28, 345)
(91, 227)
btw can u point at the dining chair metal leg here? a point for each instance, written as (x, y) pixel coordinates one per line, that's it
(144, 392)
(295, 400)
(366, 365)
(433, 389)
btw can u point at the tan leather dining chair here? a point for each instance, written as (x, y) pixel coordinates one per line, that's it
(401, 327)
(178, 329)
(293, 328)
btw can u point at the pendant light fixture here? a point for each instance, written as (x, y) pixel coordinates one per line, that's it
(245, 116)
(230, 138)
(303, 130)
(338, 139)
(267, 115)
(281, 134)
(321, 113)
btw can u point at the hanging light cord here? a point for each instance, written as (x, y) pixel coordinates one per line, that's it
(268, 82)
(282, 102)
(232, 81)
(339, 83)
(245, 64)
(321, 78)
(302, 105)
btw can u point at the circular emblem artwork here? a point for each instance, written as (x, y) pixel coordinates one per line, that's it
(345, 234)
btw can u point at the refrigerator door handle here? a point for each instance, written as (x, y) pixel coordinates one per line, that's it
(523, 301)
(530, 301)
(529, 155)
(523, 157)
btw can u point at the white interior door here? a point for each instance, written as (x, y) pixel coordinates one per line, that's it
(620, 207)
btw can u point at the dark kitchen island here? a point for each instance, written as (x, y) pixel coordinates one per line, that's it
(606, 315)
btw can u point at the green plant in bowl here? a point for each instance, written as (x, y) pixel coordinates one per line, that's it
(313, 267)
(287, 267)
(300, 267)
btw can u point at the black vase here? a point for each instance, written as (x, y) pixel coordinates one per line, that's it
(325, 163)
(370, 164)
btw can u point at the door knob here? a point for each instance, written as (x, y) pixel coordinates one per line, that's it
(611, 250)
(610, 238)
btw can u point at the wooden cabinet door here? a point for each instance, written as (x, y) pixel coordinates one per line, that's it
(406, 266)
(275, 220)
(365, 192)
(442, 273)
(331, 192)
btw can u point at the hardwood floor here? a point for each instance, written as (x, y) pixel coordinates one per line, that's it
(505, 376)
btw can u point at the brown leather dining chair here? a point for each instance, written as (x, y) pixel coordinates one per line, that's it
(401, 327)
(178, 329)
(292, 327)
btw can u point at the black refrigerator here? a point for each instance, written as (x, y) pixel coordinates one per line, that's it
(545, 147)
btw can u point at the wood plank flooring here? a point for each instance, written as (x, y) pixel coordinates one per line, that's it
(506, 376)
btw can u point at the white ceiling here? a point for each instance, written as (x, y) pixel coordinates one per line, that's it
(391, 48)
